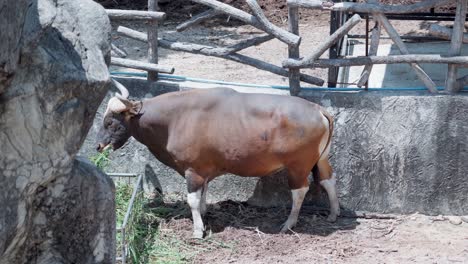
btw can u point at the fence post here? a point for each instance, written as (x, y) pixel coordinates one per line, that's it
(294, 74)
(152, 40)
(336, 20)
(124, 246)
(456, 45)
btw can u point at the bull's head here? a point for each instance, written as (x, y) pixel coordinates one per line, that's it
(115, 127)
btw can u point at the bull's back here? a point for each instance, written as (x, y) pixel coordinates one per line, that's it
(248, 134)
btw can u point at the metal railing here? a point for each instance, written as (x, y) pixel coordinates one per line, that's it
(137, 186)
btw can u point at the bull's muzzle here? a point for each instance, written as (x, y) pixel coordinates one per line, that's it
(101, 147)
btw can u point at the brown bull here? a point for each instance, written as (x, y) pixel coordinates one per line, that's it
(203, 134)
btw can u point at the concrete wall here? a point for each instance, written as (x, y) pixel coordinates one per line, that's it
(392, 152)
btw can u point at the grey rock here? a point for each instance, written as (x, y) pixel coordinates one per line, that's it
(454, 220)
(465, 218)
(12, 20)
(48, 100)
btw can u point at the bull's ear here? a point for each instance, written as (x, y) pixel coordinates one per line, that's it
(132, 107)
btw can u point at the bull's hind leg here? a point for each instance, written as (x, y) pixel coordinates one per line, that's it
(195, 185)
(328, 182)
(203, 206)
(297, 180)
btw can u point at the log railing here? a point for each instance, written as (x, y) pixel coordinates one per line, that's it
(292, 65)
(152, 17)
(378, 12)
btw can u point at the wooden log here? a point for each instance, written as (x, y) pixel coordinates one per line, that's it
(117, 14)
(224, 53)
(118, 51)
(293, 52)
(249, 43)
(369, 7)
(153, 40)
(271, 68)
(354, 20)
(393, 59)
(444, 33)
(402, 47)
(456, 45)
(197, 19)
(374, 46)
(195, 48)
(283, 35)
(133, 34)
(141, 65)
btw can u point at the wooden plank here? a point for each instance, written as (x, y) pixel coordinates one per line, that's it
(402, 47)
(354, 20)
(456, 45)
(152, 40)
(287, 37)
(281, 34)
(197, 19)
(367, 7)
(293, 51)
(141, 65)
(117, 14)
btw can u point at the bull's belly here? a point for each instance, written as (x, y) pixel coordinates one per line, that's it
(252, 167)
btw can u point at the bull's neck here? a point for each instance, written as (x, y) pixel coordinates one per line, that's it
(153, 122)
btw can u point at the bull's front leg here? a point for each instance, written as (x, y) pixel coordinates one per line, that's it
(195, 184)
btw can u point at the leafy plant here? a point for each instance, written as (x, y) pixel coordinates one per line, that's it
(101, 159)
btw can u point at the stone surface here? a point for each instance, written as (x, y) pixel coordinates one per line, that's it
(12, 20)
(400, 152)
(391, 152)
(454, 220)
(54, 80)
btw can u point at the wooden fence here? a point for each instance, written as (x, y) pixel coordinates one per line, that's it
(291, 66)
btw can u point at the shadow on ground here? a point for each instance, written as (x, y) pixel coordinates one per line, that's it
(240, 215)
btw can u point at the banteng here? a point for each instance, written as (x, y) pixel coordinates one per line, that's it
(203, 134)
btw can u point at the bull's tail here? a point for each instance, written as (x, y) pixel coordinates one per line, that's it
(330, 130)
(315, 170)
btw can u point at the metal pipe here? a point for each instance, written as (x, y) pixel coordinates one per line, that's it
(122, 174)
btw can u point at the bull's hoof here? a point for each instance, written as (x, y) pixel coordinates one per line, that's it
(286, 227)
(197, 234)
(331, 218)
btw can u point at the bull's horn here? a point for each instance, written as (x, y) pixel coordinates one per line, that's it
(122, 89)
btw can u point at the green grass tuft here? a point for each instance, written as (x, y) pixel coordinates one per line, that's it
(101, 159)
(147, 241)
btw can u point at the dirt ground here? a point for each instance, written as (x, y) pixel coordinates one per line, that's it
(239, 233)
(249, 234)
